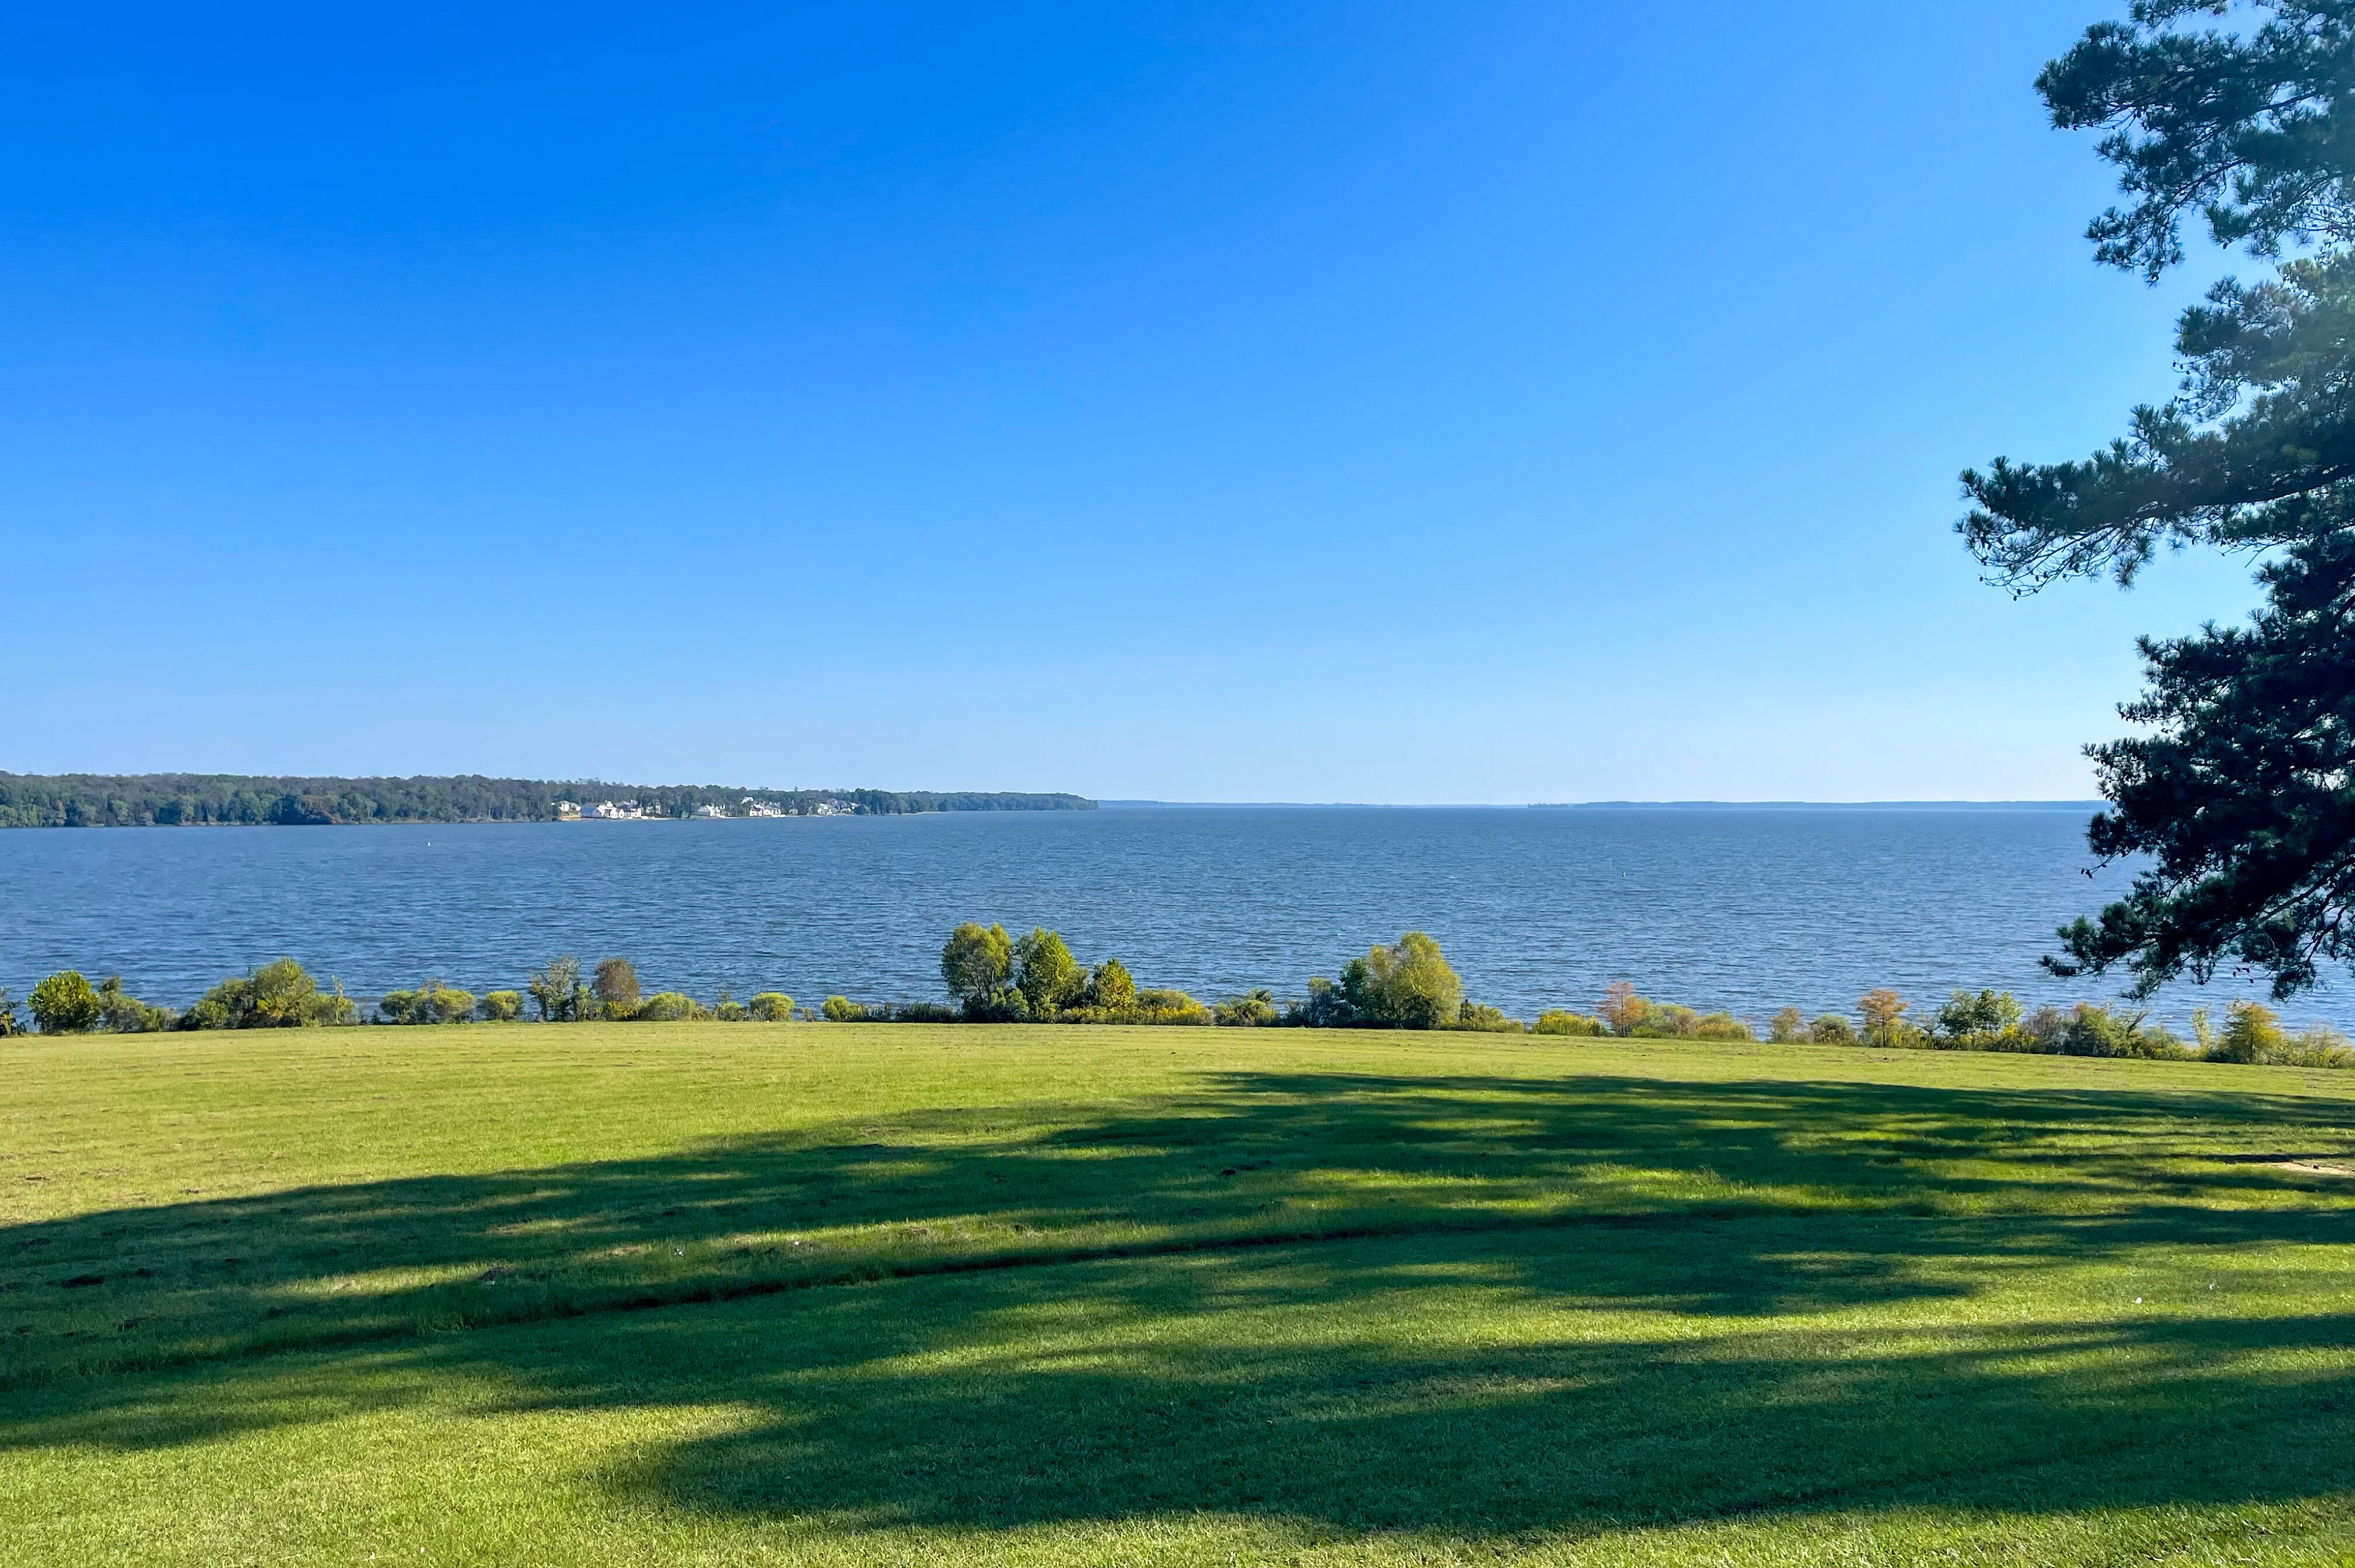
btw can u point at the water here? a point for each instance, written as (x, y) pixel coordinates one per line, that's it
(1735, 909)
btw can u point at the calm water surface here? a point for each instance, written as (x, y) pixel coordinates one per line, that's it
(1743, 909)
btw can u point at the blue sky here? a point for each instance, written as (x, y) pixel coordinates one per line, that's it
(1377, 402)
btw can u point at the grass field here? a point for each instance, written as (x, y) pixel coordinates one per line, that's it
(817, 1294)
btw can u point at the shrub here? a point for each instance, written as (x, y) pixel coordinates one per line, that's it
(431, 1003)
(729, 1010)
(1325, 1007)
(1666, 1020)
(616, 987)
(1787, 1027)
(281, 994)
(1163, 1006)
(1253, 1010)
(1720, 1026)
(1047, 974)
(770, 1006)
(64, 1004)
(1831, 1030)
(557, 991)
(1406, 986)
(922, 1013)
(668, 1007)
(125, 1014)
(1559, 1020)
(976, 964)
(9, 1023)
(1623, 1011)
(1975, 1022)
(1485, 1020)
(2253, 1034)
(1111, 988)
(499, 1007)
(2091, 1031)
(843, 1010)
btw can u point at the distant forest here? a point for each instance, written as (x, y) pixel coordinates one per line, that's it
(107, 800)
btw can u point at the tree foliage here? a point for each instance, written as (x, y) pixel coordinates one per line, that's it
(64, 1003)
(139, 800)
(2240, 787)
(977, 964)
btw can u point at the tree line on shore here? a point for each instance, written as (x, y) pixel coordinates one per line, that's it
(143, 800)
(993, 977)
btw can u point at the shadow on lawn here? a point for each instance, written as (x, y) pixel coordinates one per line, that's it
(1332, 1384)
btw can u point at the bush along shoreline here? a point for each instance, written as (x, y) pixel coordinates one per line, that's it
(992, 977)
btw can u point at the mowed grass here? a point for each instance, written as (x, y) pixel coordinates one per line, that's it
(817, 1294)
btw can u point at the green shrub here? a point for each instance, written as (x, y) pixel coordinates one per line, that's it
(1253, 1010)
(1559, 1020)
(1975, 1022)
(1406, 986)
(281, 994)
(668, 1007)
(770, 1006)
(2253, 1034)
(843, 1010)
(1480, 1018)
(1111, 988)
(431, 1003)
(120, 1013)
(557, 993)
(1165, 1006)
(729, 1010)
(1830, 1028)
(920, 1013)
(64, 1004)
(978, 967)
(1720, 1026)
(1047, 974)
(9, 1023)
(1787, 1027)
(499, 1007)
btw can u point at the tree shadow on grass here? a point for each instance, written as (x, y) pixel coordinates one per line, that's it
(1353, 1302)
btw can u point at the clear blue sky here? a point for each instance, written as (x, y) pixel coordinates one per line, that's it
(1205, 401)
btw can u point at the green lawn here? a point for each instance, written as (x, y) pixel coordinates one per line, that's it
(816, 1294)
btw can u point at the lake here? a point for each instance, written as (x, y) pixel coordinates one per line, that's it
(1742, 909)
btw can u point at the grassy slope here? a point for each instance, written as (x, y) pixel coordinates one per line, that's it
(819, 1293)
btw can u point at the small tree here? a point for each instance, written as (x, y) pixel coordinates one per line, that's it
(64, 1004)
(1407, 986)
(1047, 974)
(1111, 988)
(499, 1007)
(2252, 1033)
(770, 1006)
(1787, 1027)
(125, 1014)
(1253, 1010)
(555, 990)
(9, 1022)
(616, 987)
(1968, 1019)
(976, 963)
(1883, 1011)
(1830, 1028)
(843, 1010)
(1623, 1011)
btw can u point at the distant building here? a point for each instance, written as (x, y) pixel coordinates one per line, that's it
(613, 811)
(711, 811)
(761, 809)
(568, 808)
